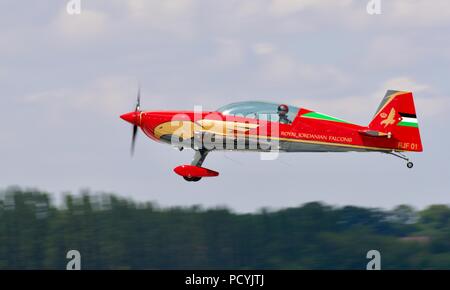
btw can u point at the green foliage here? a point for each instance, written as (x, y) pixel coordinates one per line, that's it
(115, 233)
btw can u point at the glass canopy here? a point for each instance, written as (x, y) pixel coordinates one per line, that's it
(257, 110)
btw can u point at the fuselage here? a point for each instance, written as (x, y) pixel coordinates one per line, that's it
(266, 127)
(308, 131)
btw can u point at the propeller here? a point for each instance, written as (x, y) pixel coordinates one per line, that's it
(137, 111)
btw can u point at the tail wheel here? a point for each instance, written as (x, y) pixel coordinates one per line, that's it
(410, 165)
(192, 179)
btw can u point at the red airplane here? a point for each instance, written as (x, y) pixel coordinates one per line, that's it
(270, 127)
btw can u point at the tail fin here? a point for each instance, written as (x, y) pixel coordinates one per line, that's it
(396, 116)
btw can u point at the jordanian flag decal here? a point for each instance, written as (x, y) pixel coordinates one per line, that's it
(408, 120)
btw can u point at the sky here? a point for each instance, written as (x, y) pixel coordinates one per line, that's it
(65, 79)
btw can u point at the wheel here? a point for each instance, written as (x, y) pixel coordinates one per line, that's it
(410, 164)
(192, 179)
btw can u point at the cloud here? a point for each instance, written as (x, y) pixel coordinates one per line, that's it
(419, 13)
(285, 7)
(405, 84)
(280, 68)
(228, 53)
(173, 16)
(432, 106)
(106, 95)
(86, 26)
(429, 103)
(400, 14)
(392, 51)
(262, 48)
(98, 18)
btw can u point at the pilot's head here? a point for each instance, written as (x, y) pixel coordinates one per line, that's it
(283, 110)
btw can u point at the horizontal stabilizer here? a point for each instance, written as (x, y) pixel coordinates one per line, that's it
(373, 133)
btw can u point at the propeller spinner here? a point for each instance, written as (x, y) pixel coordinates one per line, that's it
(133, 118)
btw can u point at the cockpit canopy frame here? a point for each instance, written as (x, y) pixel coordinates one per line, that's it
(257, 110)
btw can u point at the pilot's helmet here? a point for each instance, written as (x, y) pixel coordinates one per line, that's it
(283, 109)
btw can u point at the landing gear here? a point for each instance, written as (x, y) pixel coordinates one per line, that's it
(199, 158)
(409, 164)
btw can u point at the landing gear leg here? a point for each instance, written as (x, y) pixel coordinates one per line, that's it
(199, 157)
(409, 164)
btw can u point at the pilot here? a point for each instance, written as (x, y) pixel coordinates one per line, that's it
(282, 113)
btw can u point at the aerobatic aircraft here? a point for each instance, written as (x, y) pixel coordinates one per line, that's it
(274, 127)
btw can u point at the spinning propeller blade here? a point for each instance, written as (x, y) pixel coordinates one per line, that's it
(137, 111)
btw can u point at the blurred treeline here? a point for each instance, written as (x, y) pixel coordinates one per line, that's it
(116, 233)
